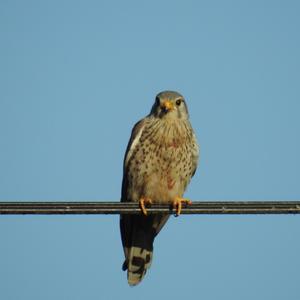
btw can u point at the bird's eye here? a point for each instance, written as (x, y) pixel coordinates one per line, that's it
(157, 101)
(178, 102)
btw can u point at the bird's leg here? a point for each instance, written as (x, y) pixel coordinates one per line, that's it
(177, 204)
(143, 202)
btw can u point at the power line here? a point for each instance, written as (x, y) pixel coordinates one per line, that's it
(198, 207)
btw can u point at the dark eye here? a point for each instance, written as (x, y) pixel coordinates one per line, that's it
(157, 101)
(178, 102)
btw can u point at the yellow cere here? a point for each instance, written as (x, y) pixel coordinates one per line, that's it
(168, 105)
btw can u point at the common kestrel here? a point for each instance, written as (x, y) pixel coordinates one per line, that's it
(160, 159)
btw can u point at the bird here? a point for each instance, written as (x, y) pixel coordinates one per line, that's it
(161, 158)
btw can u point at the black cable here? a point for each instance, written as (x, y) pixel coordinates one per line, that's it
(198, 207)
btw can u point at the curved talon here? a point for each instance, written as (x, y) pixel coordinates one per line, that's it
(143, 202)
(177, 204)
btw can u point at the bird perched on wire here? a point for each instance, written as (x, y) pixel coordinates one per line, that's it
(161, 158)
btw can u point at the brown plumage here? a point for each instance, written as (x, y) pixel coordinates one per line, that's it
(160, 159)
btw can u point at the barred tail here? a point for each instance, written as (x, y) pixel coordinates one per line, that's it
(138, 233)
(138, 263)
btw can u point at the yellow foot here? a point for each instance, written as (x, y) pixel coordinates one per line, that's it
(177, 204)
(143, 203)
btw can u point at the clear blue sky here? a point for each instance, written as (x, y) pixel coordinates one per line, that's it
(76, 75)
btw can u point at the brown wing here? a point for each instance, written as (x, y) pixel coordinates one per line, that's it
(133, 141)
(126, 221)
(195, 153)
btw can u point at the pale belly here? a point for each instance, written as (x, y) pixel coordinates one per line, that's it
(161, 174)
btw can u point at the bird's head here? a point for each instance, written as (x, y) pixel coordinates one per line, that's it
(169, 105)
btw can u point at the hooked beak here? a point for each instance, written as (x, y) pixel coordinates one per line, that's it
(167, 106)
